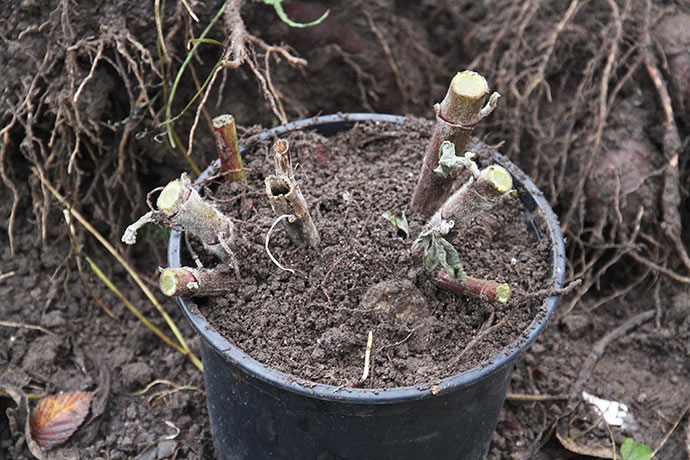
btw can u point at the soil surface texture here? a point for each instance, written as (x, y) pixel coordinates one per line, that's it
(362, 277)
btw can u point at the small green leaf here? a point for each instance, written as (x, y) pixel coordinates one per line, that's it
(449, 162)
(634, 450)
(399, 222)
(278, 6)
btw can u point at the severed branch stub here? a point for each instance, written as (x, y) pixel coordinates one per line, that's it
(179, 205)
(286, 198)
(474, 287)
(281, 156)
(225, 134)
(189, 282)
(487, 188)
(476, 196)
(456, 117)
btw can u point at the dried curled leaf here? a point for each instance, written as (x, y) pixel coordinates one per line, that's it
(57, 417)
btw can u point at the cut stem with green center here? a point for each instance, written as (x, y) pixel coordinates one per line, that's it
(456, 117)
(473, 198)
(189, 282)
(180, 205)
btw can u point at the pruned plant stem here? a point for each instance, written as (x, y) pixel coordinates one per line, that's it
(477, 195)
(225, 133)
(281, 155)
(456, 117)
(190, 282)
(286, 198)
(473, 198)
(179, 204)
(182, 205)
(474, 287)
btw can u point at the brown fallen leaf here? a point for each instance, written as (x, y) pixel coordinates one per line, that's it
(57, 417)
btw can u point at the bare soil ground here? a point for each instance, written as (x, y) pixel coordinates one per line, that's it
(590, 88)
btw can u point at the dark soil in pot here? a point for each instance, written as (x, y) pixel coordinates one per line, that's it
(314, 323)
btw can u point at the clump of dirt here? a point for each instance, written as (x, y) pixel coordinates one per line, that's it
(314, 323)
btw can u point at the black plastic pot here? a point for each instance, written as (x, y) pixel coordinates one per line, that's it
(259, 413)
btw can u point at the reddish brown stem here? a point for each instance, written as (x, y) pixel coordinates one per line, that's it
(228, 147)
(456, 117)
(483, 289)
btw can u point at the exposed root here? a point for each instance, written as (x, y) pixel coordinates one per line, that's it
(238, 52)
(670, 198)
(199, 110)
(240, 48)
(13, 188)
(603, 111)
(569, 75)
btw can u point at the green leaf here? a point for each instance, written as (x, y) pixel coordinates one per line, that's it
(431, 257)
(278, 6)
(437, 252)
(634, 450)
(399, 222)
(451, 260)
(449, 162)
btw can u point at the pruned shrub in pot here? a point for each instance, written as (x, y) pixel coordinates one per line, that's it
(345, 312)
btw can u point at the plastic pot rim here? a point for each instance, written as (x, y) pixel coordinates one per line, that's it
(291, 383)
